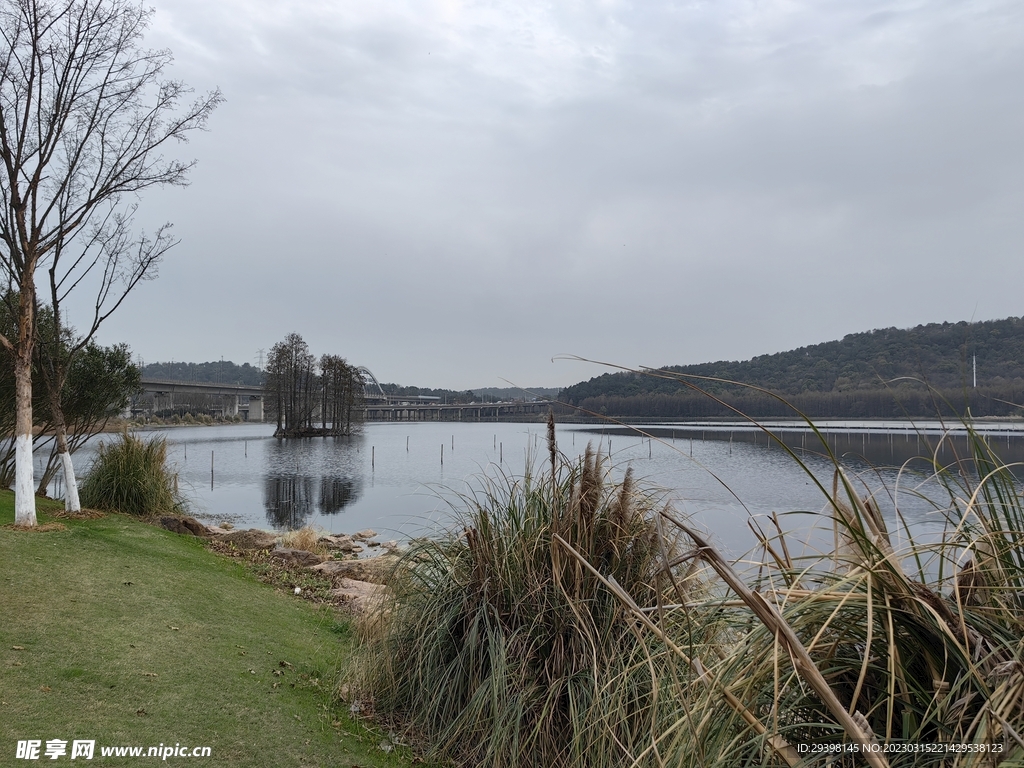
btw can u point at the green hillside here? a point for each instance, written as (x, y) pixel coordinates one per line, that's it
(218, 372)
(861, 375)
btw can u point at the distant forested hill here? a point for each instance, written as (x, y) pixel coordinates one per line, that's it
(517, 393)
(857, 376)
(222, 372)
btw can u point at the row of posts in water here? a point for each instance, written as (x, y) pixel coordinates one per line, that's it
(935, 444)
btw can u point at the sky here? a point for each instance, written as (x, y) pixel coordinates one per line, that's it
(461, 194)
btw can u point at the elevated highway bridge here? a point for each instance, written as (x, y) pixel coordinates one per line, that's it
(231, 400)
(234, 399)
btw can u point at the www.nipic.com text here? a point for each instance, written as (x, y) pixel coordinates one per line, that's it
(52, 749)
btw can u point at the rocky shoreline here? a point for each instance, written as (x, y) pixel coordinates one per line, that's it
(357, 583)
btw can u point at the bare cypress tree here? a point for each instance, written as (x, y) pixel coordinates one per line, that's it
(292, 385)
(333, 376)
(85, 116)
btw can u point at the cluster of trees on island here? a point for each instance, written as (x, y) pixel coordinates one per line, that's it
(310, 396)
(920, 372)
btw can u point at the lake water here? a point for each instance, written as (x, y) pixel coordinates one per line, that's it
(401, 478)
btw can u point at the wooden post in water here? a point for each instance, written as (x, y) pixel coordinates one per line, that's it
(442, 454)
(211, 470)
(247, 449)
(406, 443)
(373, 456)
(501, 453)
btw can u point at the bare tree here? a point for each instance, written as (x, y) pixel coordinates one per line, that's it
(85, 116)
(292, 386)
(338, 381)
(110, 260)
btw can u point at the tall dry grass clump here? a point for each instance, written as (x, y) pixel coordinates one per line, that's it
(889, 649)
(876, 653)
(306, 538)
(130, 475)
(500, 649)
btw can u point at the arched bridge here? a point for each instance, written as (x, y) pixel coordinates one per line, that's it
(373, 392)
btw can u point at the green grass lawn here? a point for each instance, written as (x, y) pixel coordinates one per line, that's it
(121, 632)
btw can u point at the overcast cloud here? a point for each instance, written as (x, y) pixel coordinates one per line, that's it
(451, 193)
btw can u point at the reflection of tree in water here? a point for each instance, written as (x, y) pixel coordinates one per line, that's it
(288, 500)
(336, 493)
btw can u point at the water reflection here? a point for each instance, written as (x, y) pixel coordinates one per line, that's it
(336, 493)
(288, 500)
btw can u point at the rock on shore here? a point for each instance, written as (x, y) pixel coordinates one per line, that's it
(358, 583)
(375, 570)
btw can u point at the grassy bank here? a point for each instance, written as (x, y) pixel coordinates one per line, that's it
(124, 633)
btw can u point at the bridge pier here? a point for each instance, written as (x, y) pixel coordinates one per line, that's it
(255, 408)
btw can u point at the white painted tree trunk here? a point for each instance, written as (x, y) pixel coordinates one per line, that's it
(71, 502)
(24, 485)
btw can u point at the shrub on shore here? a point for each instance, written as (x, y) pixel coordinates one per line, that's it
(130, 475)
(501, 649)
